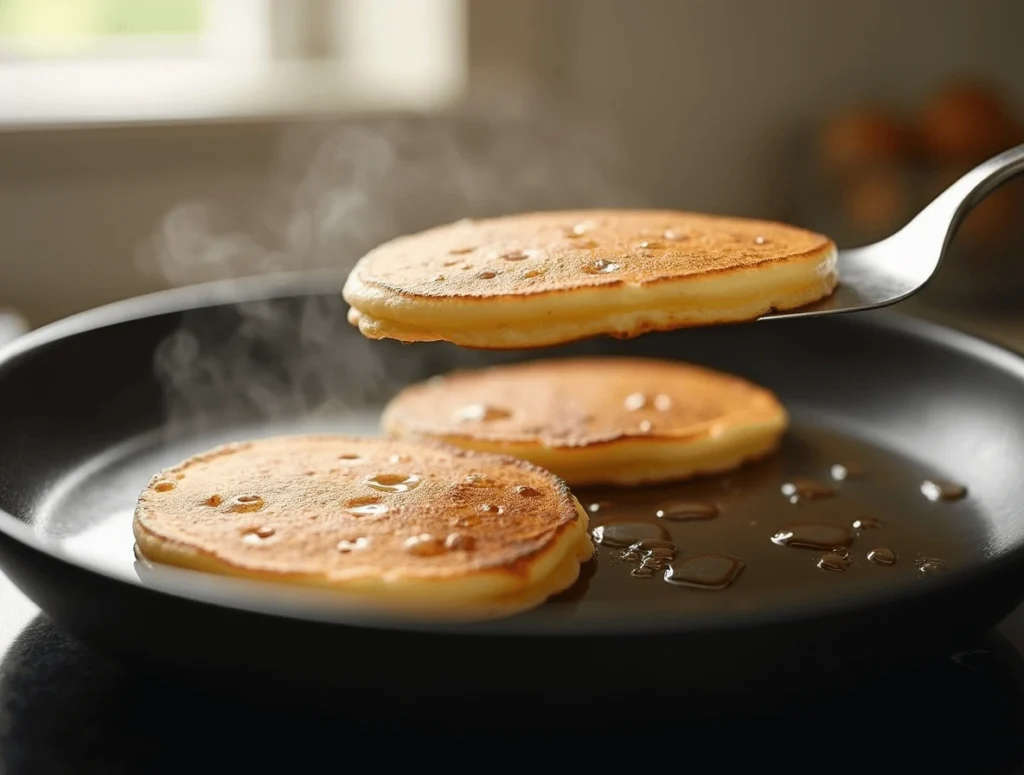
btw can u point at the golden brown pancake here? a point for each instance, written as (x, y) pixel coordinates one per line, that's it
(597, 420)
(547, 278)
(417, 527)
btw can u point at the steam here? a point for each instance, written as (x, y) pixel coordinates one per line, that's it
(345, 188)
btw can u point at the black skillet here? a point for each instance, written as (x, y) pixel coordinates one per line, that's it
(90, 405)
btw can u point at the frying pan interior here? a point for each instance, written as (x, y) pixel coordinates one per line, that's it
(181, 370)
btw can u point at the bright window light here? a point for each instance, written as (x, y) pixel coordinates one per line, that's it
(88, 61)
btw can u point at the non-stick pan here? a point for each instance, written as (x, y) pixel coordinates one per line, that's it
(91, 406)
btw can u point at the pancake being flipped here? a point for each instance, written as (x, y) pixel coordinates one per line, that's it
(421, 528)
(597, 420)
(547, 278)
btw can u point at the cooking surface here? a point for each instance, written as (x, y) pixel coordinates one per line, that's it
(65, 709)
(754, 533)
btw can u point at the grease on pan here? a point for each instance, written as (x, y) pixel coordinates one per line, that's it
(418, 528)
(546, 278)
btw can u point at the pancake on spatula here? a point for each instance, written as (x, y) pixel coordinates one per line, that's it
(412, 527)
(597, 420)
(546, 278)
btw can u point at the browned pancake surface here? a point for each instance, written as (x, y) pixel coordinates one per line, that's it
(581, 402)
(347, 508)
(559, 251)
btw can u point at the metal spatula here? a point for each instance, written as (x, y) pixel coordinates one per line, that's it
(899, 266)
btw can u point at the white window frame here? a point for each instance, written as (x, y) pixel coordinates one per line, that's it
(296, 57)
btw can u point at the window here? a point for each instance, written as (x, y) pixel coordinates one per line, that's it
(127, 60)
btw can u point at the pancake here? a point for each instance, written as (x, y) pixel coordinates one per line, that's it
(547, 278)
(597, 420)
(418, 528)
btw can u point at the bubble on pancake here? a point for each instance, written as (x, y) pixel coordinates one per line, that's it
(424, 545)
(393, 482)
(481, 413)
(602, 266)
(245, 503)
(345, 545)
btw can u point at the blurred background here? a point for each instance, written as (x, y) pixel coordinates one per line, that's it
(149, 143)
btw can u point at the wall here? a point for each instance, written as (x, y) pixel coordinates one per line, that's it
(710, 93)
(709, 96)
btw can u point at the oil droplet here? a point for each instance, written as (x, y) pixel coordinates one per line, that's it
(643, 572)
(601, 266)
(347, 546)
(461, 251)
(651, 544)
(705, 571)
(635, 402)
(438, 278)
(459, 542)
(931, 566)
(526, 491)
(645, 426)
(867, 523)
(244, 503)
(424, 545)
(350, 457)
(941, 490)
(801, 489)
(257, 535)
(393, 482)
(214, 500)
(673, 236)
(586, 244)
(833, 562)
(843, 471)
(760, 240)
(593, 508)
(645, 245)
(490, 508)
(882, 556)
(627, 533)
(533, 273)
(449, 263)
(687, 511)
(399, 459)
(470, 520)
(481, 413)
(813, 536)
(662, 402)
(163, 485)
(479, 480)
(578, 230)
(487, 275)
(516, 255)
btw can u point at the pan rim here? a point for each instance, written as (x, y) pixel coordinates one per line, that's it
(228, 292)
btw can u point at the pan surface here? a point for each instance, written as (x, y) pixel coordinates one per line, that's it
(92, 406)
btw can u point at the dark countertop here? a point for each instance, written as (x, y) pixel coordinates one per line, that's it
(65, 709)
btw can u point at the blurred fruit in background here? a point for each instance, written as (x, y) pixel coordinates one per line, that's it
(866, 136)
(874, 168)
(965, 123)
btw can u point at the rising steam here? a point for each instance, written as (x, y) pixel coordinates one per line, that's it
(345, 188)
